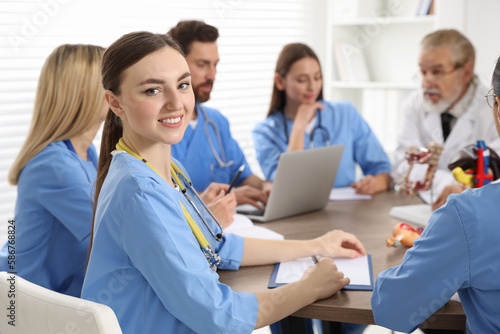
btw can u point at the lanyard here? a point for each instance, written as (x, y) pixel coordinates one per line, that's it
(212, 257)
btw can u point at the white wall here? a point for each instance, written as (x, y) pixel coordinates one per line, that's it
(481, 26)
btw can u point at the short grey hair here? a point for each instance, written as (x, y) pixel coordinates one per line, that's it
(463, 50)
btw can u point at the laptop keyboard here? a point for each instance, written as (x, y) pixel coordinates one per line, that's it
(256, 212)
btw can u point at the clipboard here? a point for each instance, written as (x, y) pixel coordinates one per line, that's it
(292, 271)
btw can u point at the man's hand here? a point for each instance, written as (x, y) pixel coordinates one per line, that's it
(250, 195)
(447, 191)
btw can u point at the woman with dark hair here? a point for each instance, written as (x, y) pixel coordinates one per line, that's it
(155, 245)
(455, 253)
(299, 118)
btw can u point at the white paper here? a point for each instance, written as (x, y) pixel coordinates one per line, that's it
(418, 214)
(244, 227)
(347, 194)
(357, 269)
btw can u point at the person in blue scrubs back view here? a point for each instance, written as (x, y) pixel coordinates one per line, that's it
(55, 171)
(457, 252)
(150, 258)
(299, 118)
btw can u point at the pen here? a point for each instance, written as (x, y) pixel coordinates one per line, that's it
(315, 259)
(233, 182)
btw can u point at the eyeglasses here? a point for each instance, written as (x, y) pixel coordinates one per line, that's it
(490, 98)
(436, 74)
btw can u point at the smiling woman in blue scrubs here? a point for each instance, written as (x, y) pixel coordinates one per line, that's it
(146, 260)
(55, 171)
(299, 118)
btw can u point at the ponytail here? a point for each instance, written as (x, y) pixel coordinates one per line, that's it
(112, 132)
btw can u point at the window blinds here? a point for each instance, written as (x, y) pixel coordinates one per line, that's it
(251, 35)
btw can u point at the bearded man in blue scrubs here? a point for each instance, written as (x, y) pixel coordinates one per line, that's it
(207, 150)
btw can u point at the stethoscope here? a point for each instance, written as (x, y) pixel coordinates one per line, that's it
(326, 135)
(183, 183)
(221, 160)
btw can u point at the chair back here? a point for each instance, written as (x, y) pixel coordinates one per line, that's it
(30, 308)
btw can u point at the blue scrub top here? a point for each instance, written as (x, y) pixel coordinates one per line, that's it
(194, 152)
(344, 126)
(53, 218)
(458, 251)
(147, 265)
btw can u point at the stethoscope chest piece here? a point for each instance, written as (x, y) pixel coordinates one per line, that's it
(212, 257)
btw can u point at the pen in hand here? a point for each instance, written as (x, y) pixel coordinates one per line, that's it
(233, 182)
(315, 259)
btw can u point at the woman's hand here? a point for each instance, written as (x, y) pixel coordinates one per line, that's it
(371, 185)
(212, 192)
(324, 279)
(222, 208)
(338, 243)
(306, 112)
(304, 115)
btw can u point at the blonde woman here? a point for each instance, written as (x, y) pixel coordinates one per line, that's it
(55, 171)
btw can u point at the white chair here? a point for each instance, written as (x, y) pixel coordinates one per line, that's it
(35, 309)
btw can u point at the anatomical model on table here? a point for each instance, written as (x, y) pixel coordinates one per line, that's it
(403, 234)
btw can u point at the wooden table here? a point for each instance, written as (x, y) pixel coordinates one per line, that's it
(370, 222)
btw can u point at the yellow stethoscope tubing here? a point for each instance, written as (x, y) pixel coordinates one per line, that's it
(194, 227)
(196, 230)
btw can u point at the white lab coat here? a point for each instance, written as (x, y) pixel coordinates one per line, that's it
(419, 128)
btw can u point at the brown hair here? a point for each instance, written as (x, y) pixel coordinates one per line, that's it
(287, 57)
(463, 51)
(69, 100)
(123, 53)
(187, 32)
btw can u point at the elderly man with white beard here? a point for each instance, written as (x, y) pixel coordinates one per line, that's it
(449, 109)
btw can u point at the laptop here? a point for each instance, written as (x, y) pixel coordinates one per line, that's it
(302, 184)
